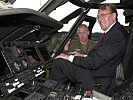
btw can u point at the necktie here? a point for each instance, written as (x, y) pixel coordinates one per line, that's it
(101, 37)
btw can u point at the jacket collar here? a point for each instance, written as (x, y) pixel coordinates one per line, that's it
(109, 28)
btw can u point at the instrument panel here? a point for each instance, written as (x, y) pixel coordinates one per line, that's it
(21, 62)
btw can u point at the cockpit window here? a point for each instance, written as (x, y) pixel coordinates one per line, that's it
(111, 1)
(97, 29)
(102, 1)
(63, 11)
(32, 4)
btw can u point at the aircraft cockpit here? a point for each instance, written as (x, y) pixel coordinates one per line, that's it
(34, 32)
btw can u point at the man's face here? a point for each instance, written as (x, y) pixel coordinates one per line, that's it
(106, 18)
(83, 34)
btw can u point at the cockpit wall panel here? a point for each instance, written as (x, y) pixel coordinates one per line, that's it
(26, 24)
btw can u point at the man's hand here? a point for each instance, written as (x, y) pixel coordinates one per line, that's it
(75, 53)
(67, 45)
(63, 56)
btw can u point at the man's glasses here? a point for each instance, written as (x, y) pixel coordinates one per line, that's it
(102, 15)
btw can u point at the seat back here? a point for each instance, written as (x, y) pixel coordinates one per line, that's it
(127, 61)
(119, 75)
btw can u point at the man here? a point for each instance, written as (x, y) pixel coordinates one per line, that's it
(81, 43)
(99, 66)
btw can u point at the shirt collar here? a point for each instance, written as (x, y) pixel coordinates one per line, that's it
(109, 28)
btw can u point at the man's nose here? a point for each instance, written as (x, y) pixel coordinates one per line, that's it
(82, 35)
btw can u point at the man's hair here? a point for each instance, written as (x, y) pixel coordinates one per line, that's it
(83, 26)
(111, 7)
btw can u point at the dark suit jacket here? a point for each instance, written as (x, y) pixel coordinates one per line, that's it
(106, 55)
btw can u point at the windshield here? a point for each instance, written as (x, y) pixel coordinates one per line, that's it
(66, 9)
(96, 28)
(59, 14)
(32, 4)
(56, 14)
(111, 1)
(103, 1)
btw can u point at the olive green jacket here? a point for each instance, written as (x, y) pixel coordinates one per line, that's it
(82, 49)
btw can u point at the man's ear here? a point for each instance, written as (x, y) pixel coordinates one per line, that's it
(114, 16)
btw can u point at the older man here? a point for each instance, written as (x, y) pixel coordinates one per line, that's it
(99, 66)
